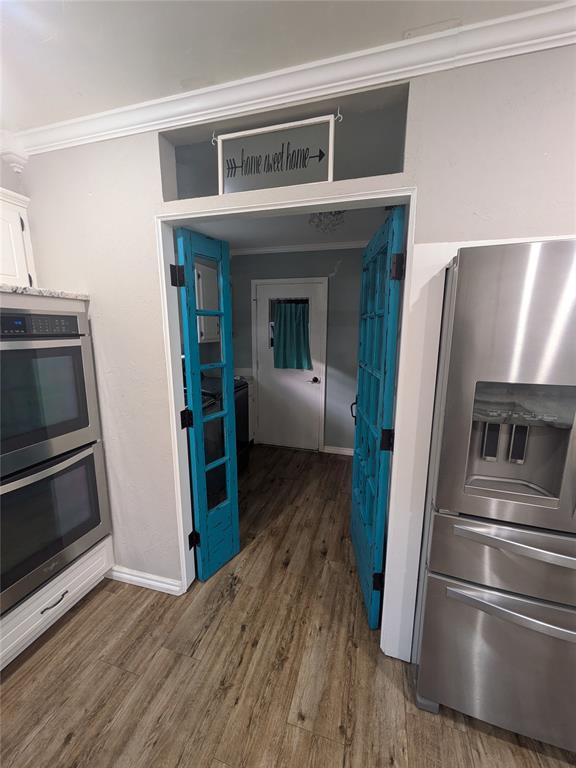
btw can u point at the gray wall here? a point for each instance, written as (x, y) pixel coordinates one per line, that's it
(92, 222)
(343, 268)
(378, 117)
(489, 147)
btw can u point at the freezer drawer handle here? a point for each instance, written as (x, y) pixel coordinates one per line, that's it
(37, 476)
(507, 614)
(516, 547)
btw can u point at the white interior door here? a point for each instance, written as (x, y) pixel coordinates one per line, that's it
(290, 402)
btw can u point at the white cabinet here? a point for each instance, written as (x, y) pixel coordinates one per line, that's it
(16, 261)
(207, 298)
(28, 620)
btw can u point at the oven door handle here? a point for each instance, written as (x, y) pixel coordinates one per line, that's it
(22, 482)
(510, 615)
(515, 547)
(53, 343)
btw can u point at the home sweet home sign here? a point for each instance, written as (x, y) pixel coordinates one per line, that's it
(277, 156)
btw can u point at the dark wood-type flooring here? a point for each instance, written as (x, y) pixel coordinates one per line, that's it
(269, 664)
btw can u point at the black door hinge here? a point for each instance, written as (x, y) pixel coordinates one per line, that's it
(398, 266)
(22, 227)
(193, 539)
(387, 440)
(177, 275)
(378, 582)
(186, 418)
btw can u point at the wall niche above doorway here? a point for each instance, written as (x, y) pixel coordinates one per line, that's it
(368, 141)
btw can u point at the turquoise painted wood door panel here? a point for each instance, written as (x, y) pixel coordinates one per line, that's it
(377, 351)
(213, 471)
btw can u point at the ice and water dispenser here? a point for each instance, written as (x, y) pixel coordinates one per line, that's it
(519, 441)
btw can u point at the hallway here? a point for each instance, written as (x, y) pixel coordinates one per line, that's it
(269, 664)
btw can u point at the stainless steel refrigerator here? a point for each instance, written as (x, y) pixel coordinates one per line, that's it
(498, 636)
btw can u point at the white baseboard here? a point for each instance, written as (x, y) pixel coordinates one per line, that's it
(336, 449)
(148, 580)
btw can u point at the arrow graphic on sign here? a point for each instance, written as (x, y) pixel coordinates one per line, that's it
(321, 155)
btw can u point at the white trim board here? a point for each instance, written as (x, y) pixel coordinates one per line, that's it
(540, 29)
(13, 198)
(175, 383)
(338, 450)
(148, 580)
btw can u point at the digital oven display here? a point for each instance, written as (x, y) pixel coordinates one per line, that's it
(15, 325)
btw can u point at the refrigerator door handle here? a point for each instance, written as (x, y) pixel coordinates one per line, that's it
(515, 547)
(507, 614)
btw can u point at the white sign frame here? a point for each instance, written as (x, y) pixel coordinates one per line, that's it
(271, 129)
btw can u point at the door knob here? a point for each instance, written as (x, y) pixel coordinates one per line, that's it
(314, 380)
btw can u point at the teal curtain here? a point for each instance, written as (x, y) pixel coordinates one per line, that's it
(291, 335)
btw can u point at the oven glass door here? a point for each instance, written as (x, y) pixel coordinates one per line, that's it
(43, 397)
(46, 513)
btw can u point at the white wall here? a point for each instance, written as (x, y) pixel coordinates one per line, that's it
(490, 150)
(92, 222)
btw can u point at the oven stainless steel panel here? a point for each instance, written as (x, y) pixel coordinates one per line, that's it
(54, 564)
(503, 659)
(16, 460)
(514, 323)
(531, 562)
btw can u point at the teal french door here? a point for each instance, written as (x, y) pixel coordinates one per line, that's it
(206, 312)
(374, 416)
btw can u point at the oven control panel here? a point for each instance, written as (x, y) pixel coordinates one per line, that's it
(28, 324)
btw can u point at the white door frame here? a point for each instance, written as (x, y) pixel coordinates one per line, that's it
(304, 198)
(323, 282)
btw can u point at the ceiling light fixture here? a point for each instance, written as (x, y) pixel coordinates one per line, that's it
(326, 221)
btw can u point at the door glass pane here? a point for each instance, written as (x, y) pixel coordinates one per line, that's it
(207, 292)
(214, 447)
(41, 519)
(212, 390)
(216, 486)
(42, 395)
(519, 439)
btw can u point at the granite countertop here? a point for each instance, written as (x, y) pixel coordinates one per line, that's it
(43, 292)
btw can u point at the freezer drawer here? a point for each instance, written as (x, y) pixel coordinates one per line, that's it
(529, 562)
(503, 659)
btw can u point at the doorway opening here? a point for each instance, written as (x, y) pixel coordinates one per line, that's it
(311, 301)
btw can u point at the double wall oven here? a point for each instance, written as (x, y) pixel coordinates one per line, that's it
(54, 500)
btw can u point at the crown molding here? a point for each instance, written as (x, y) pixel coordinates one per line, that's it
(13, 198)
(548, 27)
(12, 151)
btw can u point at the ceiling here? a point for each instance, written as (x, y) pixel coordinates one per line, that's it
(269, 233)
(68, 59)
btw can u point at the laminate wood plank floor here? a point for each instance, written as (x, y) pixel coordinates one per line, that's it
(269, 664)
